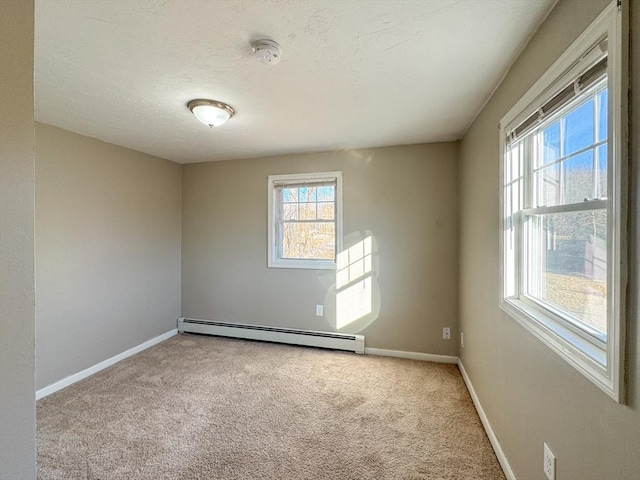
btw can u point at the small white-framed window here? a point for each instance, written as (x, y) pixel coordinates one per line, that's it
(304, 220)
(563, 206)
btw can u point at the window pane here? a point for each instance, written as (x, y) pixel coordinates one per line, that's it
(578, 182)
(551, 143)
(548, 186)
(290, 211)
(567, 264)
(309, 240)
(513, 178)
(307, 194)
(602, 116)
(307, 211)
(326, 193)
(289, 195)
(326, 210)
(578, 128)
(602, 170)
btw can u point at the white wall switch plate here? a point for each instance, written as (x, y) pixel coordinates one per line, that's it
(462, 339)
(446, 333)
(319, 310)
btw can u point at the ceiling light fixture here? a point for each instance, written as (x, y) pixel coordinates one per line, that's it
(211, 112)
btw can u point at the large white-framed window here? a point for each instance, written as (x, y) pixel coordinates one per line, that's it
(304, 220)
(563, 206)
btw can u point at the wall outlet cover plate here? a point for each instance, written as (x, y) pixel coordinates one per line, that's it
(549, 465)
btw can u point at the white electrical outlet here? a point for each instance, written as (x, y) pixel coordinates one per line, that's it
(549, 466)
(319, 310)
(446, 333)
(462, 339)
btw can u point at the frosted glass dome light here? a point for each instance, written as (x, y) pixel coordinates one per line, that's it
(211, 112)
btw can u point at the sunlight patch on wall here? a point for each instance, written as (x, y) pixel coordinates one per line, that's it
(353, 303)
(353, 283)
(354, 263)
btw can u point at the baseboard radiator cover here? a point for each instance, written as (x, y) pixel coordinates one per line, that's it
(309, 338)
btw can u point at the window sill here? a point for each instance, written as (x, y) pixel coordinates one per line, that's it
(303, 264)
(587, 358)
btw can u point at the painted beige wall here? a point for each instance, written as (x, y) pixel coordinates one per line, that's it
(531, 395)
(17, 394)
(405, 198)
(107, 251)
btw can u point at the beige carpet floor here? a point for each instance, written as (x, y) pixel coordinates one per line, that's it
(197, 407)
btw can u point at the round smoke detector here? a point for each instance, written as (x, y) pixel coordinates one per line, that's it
(267, 51)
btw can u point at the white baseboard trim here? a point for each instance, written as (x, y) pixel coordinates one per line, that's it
(425, 357)
(76, 377)
(504, 463)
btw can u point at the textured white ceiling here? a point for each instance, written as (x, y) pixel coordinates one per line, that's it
(354, 73)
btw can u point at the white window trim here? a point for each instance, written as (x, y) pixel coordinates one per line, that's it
(603, 366)
(273, 261)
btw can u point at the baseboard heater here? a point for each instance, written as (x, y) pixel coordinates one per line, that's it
(309, 338)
